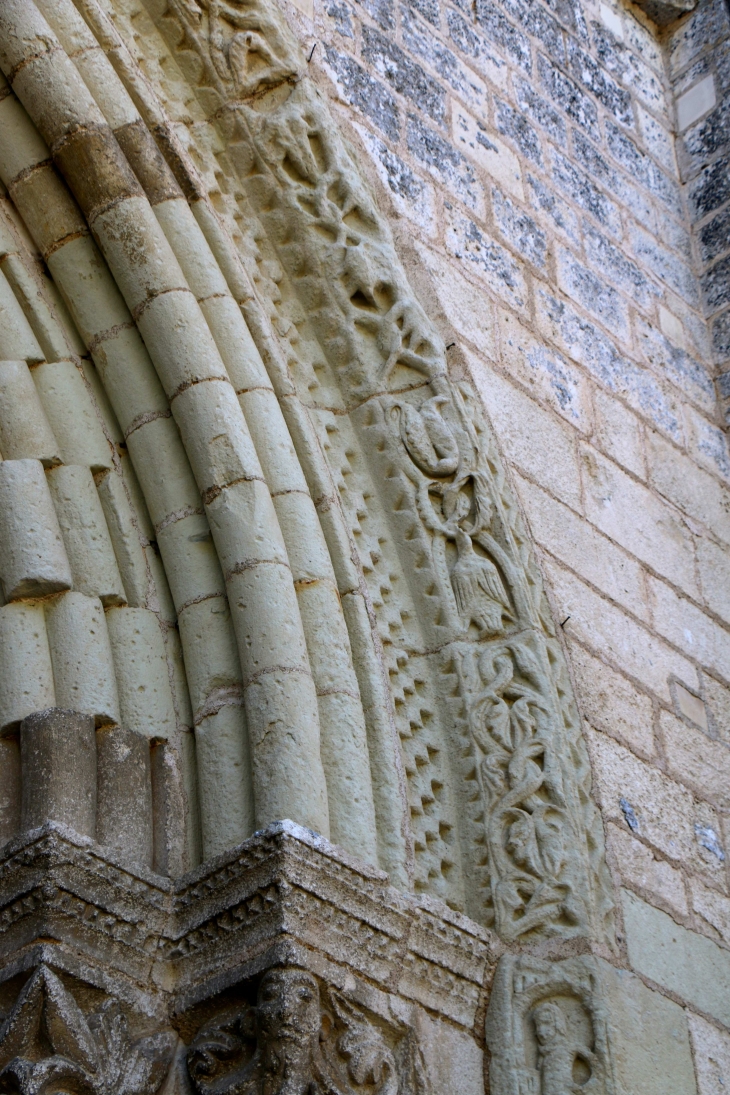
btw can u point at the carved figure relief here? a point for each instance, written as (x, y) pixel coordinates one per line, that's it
(48, 1044)
(547, 1028)
(295, 1042)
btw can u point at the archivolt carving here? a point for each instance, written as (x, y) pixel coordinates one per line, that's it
(297, 1040)
(48, 1044)
(437, 561)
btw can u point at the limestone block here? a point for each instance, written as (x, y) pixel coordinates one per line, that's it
(611, 704)
(85, 533)
(160, 598)
(212, 666)
(306, 547)
(640, 869)
(10, 790)
(712, 1055)
(92, 295)
(168, 810)
(346, 764)
(328, 643)
(124, 790)
(273, 442)
(191, 249)
(136, 497)
(677, 959)
(24, 429)
(158, 453)
(191, 562)
(178, 679)
(192, 354)
(141, 670)
(224, 780)
(129, 377)
(124, 537)
(106, 87)
(244, 526)
(33, 561)
(58, 765)
(45, 204)
(217, 441)
(650, 1040)
(17, 341)
(267, 621)
(32, 291)
(83, 670)
(101, 399)
(26, 673)
(147, 271)
(236, 346)
(283, 727)
(71, 413)
(21, 145)
(454, 1061)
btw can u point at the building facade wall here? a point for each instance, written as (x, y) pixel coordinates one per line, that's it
(555, 180)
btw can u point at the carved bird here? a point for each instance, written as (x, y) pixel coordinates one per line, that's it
(480, 595)
(427, 437)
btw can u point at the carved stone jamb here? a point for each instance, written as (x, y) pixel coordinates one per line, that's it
(421, 433)
(547, 1028)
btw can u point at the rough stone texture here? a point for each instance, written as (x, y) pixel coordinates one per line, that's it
(297, 441)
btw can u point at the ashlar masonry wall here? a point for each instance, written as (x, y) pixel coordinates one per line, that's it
(572, 251)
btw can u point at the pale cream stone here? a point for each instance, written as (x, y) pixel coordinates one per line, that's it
(17, 341)
(108, 91)
(159, 599)
(33, 560)
(193, 834)
(691, 706)
(689, 628)
(141, 671)
(245, 527)
(124, 537)
(695, 759)
(24, 428)
(47, 317)
(454, 1061)
(83, 671)
(103, 405)
(88, 288)
(71, 105)
(619, 433)
(129, 378)
(718, 700)
(595, 622)
(283, 726)
(213, 669)
(201, 271)
(137, 498)
(577, 544)
(690, 965)
(462, 305)
(665, 813)
(273, 442)
(143, 265)
(267, 621)
(305, 544)
(216, 439)
(611, 703)
(711, 907)
(71, 413)
(235, 344)
(26, 673)
(191, 562)
(713, 562)
(178, 679)
(158, 453)
(21, 145)
(641, 870)
(347, 772)
(635, 518)
(650, 1046)
(690, 488)
(224, 781)
(712, 1055)
(533, 439)
(487, 150)
(85, 534)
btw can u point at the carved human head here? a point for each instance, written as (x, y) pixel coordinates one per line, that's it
(549, 1023)
(288, 1006)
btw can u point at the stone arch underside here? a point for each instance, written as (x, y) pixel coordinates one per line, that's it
(257, 540)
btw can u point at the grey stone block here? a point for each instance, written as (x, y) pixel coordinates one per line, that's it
(403, 74)
(58, 770)
(124, 794)
(365, 93)
(566, 94)
(513, 43)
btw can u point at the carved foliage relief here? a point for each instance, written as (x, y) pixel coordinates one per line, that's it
(498, 776)
(48, 1043)
(298, 1039)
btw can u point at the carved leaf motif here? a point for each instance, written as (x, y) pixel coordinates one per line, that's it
(47, 1044)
